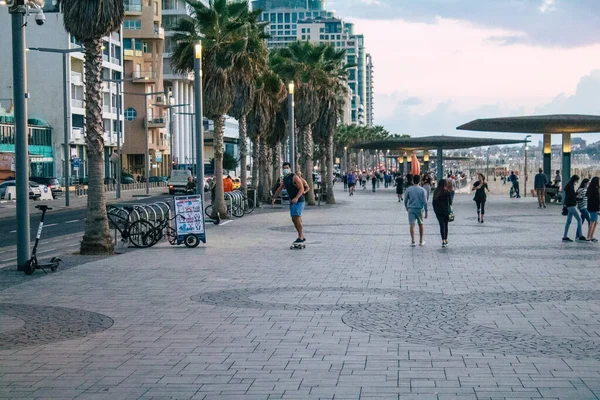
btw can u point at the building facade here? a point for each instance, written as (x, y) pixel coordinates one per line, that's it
(45, 86)
(306, 20)
(145, 97)
(369, 103)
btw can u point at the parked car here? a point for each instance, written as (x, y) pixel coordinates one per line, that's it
(35, 190)
(237, 183)
(158, 179)
(52, 183)
(127, 180)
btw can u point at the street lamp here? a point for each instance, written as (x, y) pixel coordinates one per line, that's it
(66, 110)
(292, 127)
(526, 173)
(199, 116)
(191, 114)
(147, 160)
(171, 107)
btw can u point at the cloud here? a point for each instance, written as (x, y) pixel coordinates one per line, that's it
(412, 101)
(445, 116)
(550, 23)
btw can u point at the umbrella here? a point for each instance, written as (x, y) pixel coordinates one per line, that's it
(415, 165)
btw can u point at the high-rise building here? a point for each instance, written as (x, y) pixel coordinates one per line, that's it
(370, 83)
(308, 20)
(45, 103)
(144, 112)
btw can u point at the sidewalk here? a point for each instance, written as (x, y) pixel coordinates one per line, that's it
(8, 208)
(507, 312)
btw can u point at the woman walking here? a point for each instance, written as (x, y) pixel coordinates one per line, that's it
(399, 187)
(570, 203)
(582, 201)
(426, 183)
(480, 187)
(442, 206)
(593, 205)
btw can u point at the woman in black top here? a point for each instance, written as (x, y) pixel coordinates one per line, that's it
(570, 203)
(593, 195)
(442, 206)
(480, 196)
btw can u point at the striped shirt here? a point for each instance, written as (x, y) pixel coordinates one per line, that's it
(582, 200)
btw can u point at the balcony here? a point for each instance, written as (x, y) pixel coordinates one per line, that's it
(77, 134)
(132, 53)
(160, 101)
(144, 77)
(132, 9)
(77, 78)
(157, 123)
(76, 103)
(159, 33)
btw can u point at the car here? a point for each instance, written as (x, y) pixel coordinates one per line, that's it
(127, 180)
(52, 183)
(237, 183)
(35, 190)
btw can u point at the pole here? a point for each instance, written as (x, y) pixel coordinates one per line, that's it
(119, 139)
(487, 165)
(171, 139)
(440, 163)
(21, 149)
(291, 127)
(147, 163)
(67, 126)
(525, 183)
(199, 117)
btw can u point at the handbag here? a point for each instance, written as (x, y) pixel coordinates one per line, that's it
(451, 216)
(565, 211)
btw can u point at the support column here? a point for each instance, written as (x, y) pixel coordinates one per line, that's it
(548, 156)
(566, 158)
(401, 166)
(440, 163)
(426, 161)
(175, 124)
(405, 165)
(409, 165)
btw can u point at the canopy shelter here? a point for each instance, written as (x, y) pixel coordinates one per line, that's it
(439, 143)
(564, 124)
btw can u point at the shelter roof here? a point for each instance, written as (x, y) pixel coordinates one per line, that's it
(433, 142)
(558, 123)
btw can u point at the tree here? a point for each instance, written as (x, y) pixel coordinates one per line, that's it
(88, 21)
(309, 67)
(249, 63)
(220, 28)
(230, 163)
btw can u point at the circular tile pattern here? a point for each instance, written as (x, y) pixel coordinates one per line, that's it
(434, 319)
(43, 325)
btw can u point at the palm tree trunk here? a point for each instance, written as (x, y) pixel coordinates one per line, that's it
(256, 167)
(323, 172)
(277, 162)
(96, 239)
(264, 167)
(219, 131)
(307, 163)
(329, 156)
(243, 153)
(299, 140)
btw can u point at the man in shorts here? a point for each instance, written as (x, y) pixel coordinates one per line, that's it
(539, 183)
(295, 188)
(351, 179)
(415, 201)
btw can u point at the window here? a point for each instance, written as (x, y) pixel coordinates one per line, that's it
(132, 24)
(280, 18)
(132, 5)
(130, 114)
(301, 15)
(322, 30)
(303, 37)
(127, 44)
(287, 18)
(287, 33)
(286, 27)
(273, 18)
(294, 18)
(303, 30)
(138, 44)
(156, 8)
(147, 47)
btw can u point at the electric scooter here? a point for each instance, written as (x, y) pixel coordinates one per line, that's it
(33, 263)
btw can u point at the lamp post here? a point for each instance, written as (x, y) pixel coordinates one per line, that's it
(346, 159)
(526, 172)
(291, 127)
(66, 110)
(191, 159)
(487, 164)
(170, 107)
(147, 158)
(199, 117)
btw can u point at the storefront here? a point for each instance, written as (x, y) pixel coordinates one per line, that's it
(41, 157)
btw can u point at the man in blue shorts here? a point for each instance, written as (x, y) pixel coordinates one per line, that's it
(295, 188)
(415, 201)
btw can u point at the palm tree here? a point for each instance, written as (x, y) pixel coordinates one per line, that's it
(249, 63)
(89, 21)
(220, 28)
(309, 67)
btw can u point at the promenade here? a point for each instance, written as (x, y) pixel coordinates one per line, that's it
(508, 311)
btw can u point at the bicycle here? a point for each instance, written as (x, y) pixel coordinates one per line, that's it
(248, 205)
(237, 211)
(136, 232)
(164, 229)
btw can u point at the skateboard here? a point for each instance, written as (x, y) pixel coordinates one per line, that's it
(297, 246)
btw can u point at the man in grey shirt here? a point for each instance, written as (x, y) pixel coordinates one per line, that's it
(539, 183)
(415, 201)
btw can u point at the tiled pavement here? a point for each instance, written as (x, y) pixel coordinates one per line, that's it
(506, 312)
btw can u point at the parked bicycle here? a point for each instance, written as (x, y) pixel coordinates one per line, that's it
(136, 232)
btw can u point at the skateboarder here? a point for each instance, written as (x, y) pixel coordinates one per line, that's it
(295, 188)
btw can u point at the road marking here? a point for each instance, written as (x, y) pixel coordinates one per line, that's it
(225, 223)
(49, 225)
(70, 222)
(13, 231)
(39, 251)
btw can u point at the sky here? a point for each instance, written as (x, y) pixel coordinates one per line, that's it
(442, 63)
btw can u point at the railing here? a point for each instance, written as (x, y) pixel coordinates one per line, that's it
(77, 133)
(143, 75)
(105, 57)
(132, 7)
(77, 103)
(77, 78)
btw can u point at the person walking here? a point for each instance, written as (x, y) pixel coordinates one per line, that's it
(593, 198)
(399, 187)
(415, 203)
(374, 180)
(295, 188)
(515, 183)
(582, 201)
(539, 184)
(480, 187)
(345, 179)
(442, 207)
(570, 203)
(351, 180)
(426, 184)
(557, 179)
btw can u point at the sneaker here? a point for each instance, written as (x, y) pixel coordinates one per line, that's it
(478, 219)
(594, 240)
(444, 245)
(566, 239)
(482, 221)
(422, 243)
(412, 244)
(544, 206)
(582, 239)
(298, 240)
(303, 240)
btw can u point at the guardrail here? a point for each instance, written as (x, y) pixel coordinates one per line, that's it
(81, 190)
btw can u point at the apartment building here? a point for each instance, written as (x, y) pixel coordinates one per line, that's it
(370, 104)
(45, 104)
(145, 98)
